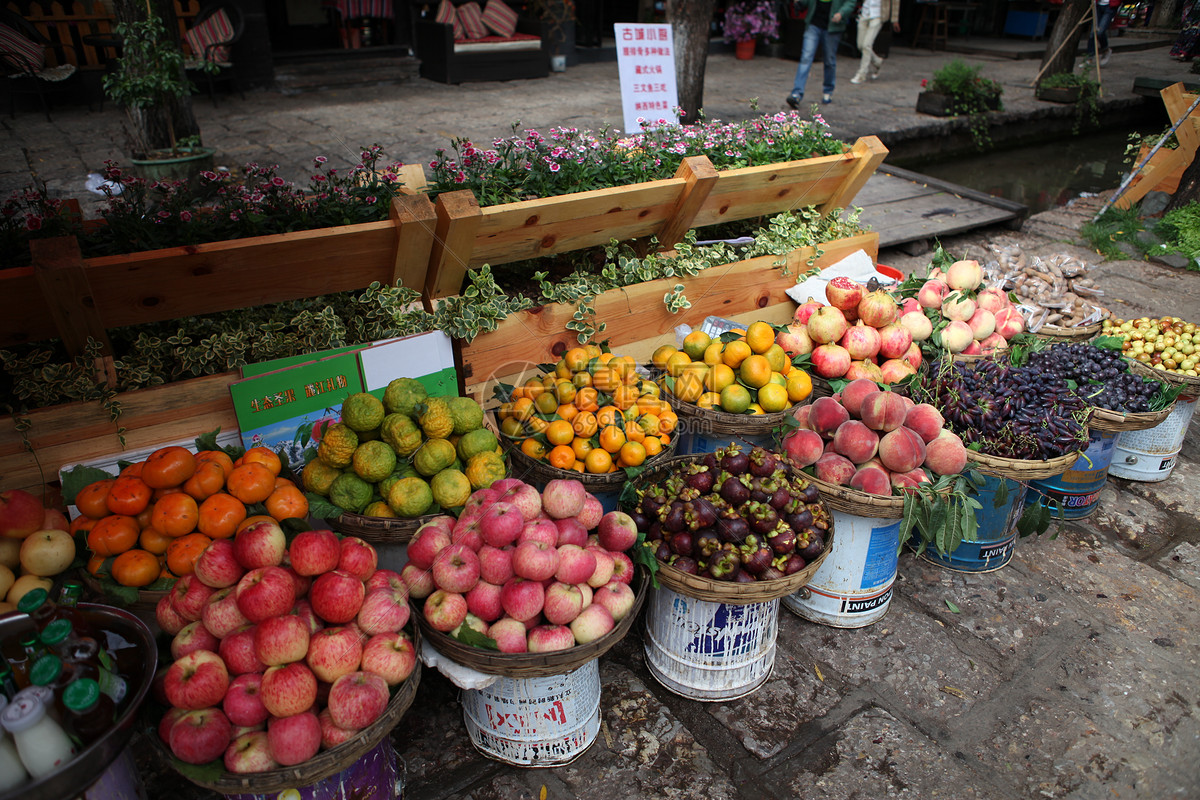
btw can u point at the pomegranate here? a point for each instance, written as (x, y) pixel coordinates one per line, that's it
(844, 294)
(864, 369)
(894, 341)
(861, 342)
(831, 360)
(878, 309)
(805, 311)
(827, 324)
(795, 340)
(913, 356)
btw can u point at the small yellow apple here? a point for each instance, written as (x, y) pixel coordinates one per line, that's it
(7, 579)
(10, 553)
(25, 584)
(47, 552)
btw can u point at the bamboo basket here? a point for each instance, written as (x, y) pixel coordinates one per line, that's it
(534, 665)
(325, 763)
(539, 473)
(701, 587)
(714, 422)
(147, 600)
(1022, 469)
(1082, 333)
(861, 504)
(1190, 384)
(378, 530)
(1102, 419)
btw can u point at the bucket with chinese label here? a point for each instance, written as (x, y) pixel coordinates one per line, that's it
(536, 722)
(1150, 455)
(1002, 501)
(1077, 491)
(709, 651)
(853, 587)
(377, 775)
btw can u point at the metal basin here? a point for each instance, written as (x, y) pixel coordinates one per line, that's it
(90, 764)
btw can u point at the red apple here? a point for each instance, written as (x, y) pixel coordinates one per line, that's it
(314, 552)
(563, 603)
(265, 592)
(386, 579)
(249, 752)
(194, 636)
(535, 561)
(390, 656)
(334, 652)
(200, 736)
(337, 596)
(260, 544)
(167, 617)
(198, 680)
(509, 634)
(426, 543)
(592, 623)
(495, 564)
(303, 582)
(189, 596)
(332, 735)
(456, 569)
(617, 531)
(55, 520)
(617, 597)
(604, 568)
(545, 638)
(217, 566)
(444, 610)
(281, 640)
(168, 721)
(221, 615)
(500, 524)
(243, 702)
(294, 739)
(357, 699)
(383, 611)
(571, 531)
(304, 610)
(21, 513)
(419, 581)
(288, 689)
(522, 599)
(622, 568)
(575, 565)
(484, 601)
(358, 558)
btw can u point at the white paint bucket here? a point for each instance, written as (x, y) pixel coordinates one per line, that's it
(693, 438)
(1150, 455)
(709, 651)
(536, 722)
(853, 586)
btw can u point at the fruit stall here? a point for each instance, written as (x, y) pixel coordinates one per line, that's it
(255, 597)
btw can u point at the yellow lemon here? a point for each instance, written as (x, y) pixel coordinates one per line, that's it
(735, 398)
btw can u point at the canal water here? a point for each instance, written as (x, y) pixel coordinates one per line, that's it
(1042, 176)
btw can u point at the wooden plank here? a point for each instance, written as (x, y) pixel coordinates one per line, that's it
(870, 152)
(416, 220)
(700, 177)
(63, 284)
(909, 221)
(774, 188)
(637, 312)
(883, 189)
(458, 220)
(1012, 206)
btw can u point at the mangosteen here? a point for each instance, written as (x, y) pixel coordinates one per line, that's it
(756, 559)
(762, 462)
(735, 462)
(781, 497)
(704, 512)
(663, 551)
(682, 543)
(655, 532)
(672, 517)
(733, 528)
(771, 573)
(701, 478)
(711, 461)
(706, 543)
(652, 501)
(640, 519)
(724, 566)
(686, 564)
(782, 540)
(734, 491)
(761, 517)
(815, 546)
(794, 564)
(744, 577)
(760, 493)
(810, 493)
(799, 519)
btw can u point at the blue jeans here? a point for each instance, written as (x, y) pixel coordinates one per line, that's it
(815, 37)
(1104, 18)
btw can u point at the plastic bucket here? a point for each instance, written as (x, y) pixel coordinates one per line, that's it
(536, 722)
(1077, 491)
(1150, 455)
(709, 651)
(853, 586)
(378, 775)
(996, 535)
(693, 438)
(120, 781)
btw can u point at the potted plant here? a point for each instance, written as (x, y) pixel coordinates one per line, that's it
(148, 82)
(958, 89)
(558, 20)
(747, 21)
(1069, 87)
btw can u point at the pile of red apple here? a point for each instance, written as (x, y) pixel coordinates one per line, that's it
(280, 652)
(965, 318)
(532, 571)
(859, 334)
(873, 440)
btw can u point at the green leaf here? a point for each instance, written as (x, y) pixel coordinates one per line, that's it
(202, 774)
(953, 608)
(470, 636)
(320, 507)
(77, 478)
(1110, 342)
(113, 591)
(1001, 495)
(208, 441)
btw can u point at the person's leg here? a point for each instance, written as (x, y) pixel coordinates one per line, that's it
(808, 52)
(830, 44)
(867, 31)
(1105, 19)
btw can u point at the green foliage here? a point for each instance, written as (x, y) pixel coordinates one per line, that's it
(1089, 92)
(1115, 225)
(479, 309)
(972, 95)
(1180, 230)
(149, 74)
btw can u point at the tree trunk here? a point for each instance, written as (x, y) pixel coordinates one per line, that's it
(690, 20)
(1189, 187)
(1064, 38)
(1166, 14)
(158, 127)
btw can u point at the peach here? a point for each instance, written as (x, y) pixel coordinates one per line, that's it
(864, 370)
(992, 299)
(956, 336)
(908, 305)
(972, 349)
(835, 469)
(946, 455)
(872, 480)
(861, 342)
(908, 480)
(831, 360)
(1009, 322)
(853, 394)
(827, 324)
(932, 294)
(855, 441)
(894, 341)
(983, 323)
(803, 416)
(895, 370)
(883, 411)
(993, 343)
(958, 306)
(803, 447)
(901, 450)
(826, 416)
(913, 356)
(925, 421)
(918, 325)
(964, 275)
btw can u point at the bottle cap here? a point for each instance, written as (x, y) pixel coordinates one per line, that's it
(56, 632)
(81, 695)
(28, 641)
(46, 670)
(22, 714)
(32, 600)
(43, 693)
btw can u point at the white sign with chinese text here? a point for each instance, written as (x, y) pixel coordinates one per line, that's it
(646, 64)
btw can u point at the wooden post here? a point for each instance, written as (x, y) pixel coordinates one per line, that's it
(458, 218)
(870, 152)
(58, 269)
(701, 177)
(416, 220)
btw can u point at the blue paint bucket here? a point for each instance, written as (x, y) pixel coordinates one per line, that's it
(996, 535)
(695, 436)
(1077, 491)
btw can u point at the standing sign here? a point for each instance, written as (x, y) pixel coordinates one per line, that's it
(646, 63)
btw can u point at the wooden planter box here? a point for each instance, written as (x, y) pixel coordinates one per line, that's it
(936, 104)
(1058, 94)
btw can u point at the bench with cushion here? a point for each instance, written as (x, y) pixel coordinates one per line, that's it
(471, 42)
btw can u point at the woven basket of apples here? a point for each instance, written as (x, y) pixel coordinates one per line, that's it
(526, 584)
(864, 448)
(738, 525)
(289, 662)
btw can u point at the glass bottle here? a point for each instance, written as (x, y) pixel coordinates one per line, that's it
(90, 712)
(84, 653)
(12, 771)
(8, 684)
(42, 744)
(38, 605)
(51, 672)
(68, 607)
(31, 650)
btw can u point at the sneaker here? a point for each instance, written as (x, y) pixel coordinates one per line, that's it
(826, 99)
(794, 100)
(857, 79)
(1107, 54)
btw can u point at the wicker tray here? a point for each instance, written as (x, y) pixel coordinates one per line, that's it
(1082, 333)
(378, 530)
(538, 473)
(325, 763)
(1191, 385)
(701, 587)
(1101, 419)
(1021, 469)
(862, 504)
(534, 665)
(721, 423)
(147, 600)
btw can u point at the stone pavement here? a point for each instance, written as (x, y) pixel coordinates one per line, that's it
(1069, 673)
